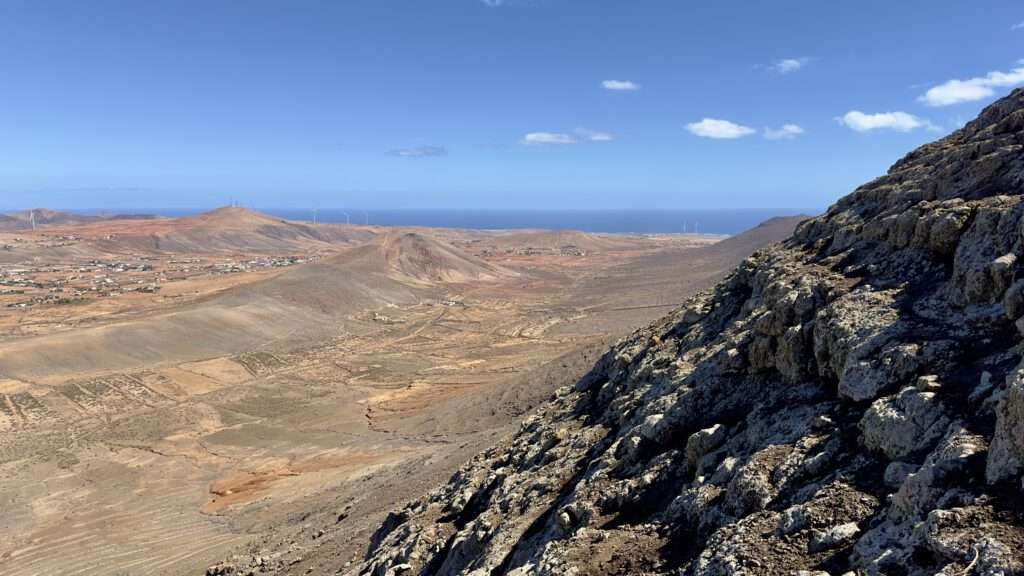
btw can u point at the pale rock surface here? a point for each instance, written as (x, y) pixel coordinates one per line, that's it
(1006, 457)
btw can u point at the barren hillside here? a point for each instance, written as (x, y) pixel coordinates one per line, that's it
(42, 217)
(422, 258)
(160, 407)
(229, 229)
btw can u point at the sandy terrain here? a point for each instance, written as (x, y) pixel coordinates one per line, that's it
(280, 385)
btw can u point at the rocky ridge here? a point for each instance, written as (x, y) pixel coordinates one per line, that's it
(849, 401)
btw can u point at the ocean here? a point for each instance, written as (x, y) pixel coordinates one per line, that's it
(611, 221)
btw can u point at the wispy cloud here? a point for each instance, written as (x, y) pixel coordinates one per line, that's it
(787, 132)
(1017, 26)
(508, 3)
(594, 135)
(788, 65)
(490, 146)
(894, 121)
(548, 138)
(620, 85)
(719, 129)
(577, 136)
(420, 152)
(957, 91)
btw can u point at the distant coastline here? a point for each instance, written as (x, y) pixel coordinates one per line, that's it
(674, 221)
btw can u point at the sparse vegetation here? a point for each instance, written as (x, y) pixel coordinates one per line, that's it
(279, 366)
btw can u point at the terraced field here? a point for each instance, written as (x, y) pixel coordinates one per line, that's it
(161, 439)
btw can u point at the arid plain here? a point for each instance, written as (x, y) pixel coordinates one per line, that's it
(177, 391)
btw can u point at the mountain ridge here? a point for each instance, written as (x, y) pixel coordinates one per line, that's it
(24, 219)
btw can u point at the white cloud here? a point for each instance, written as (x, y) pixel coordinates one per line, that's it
(620, 85)
(1017, 26)
(787, 132)
(787, 65)
(957, 91)
(548, 138)
(493, 3)
(719, 129)
(420, 152)
(594, 135)
(578, 135)
(896, 121)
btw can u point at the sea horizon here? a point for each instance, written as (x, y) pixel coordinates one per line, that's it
(610, 221)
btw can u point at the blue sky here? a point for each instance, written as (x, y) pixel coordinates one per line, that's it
(484, 103)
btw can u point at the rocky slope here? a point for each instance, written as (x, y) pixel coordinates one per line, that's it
(849, 401)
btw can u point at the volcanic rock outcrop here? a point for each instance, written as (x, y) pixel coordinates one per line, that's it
(849, 401)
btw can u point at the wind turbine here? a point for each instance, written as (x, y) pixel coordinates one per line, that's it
(347, 219)
(32, 217)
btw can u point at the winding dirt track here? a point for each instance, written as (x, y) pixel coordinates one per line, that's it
(155, 441)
